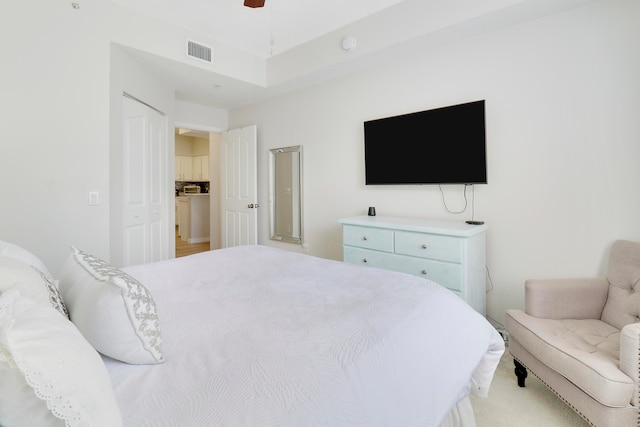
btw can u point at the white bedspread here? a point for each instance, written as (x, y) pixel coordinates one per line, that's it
(256, 336)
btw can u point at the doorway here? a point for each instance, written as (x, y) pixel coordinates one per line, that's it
(184, 248)
(196, 191)
(232, 187)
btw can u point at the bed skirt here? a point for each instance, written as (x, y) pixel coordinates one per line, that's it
(461, 415)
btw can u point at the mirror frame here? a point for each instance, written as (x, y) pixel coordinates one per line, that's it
(295, 167)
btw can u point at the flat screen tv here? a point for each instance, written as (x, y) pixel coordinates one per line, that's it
(440, 146)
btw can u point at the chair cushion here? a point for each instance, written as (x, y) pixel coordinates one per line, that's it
(586, 352)
(623, 302)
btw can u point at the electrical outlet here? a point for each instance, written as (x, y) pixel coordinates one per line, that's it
(94, 198)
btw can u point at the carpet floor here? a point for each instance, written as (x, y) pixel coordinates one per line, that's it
(511, 406)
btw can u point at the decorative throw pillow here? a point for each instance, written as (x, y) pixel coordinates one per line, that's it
(31, 282)
(114, 311)
(14, 251)
(51, 376)
(55, 299)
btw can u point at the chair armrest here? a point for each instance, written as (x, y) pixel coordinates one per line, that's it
(630, 355)
(577, 298)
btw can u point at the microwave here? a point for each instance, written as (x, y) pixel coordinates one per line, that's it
(191, 189)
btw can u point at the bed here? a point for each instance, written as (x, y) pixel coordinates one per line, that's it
(257, 336)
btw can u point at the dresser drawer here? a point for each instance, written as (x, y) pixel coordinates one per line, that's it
(368, 257)
(433, 246)
(446, 274)
(450, 253)
(370, 238)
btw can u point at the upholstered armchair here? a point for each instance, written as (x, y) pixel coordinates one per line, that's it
(581, 337)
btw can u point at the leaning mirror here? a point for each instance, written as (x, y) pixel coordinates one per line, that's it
(285, 194)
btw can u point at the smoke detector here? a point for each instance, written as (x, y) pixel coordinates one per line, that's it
(349, 43)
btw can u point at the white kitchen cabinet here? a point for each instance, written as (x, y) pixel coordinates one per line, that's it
(184, 217)
(199, 218)
(450, 253)
(193, 218)
(183, 168)
(200, 168)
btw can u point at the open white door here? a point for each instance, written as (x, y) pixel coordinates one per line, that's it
(145, 237)
(238, 182)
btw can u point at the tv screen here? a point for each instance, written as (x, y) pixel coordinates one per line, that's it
(440, 146)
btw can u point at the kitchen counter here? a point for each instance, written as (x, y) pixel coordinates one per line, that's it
(193, 217)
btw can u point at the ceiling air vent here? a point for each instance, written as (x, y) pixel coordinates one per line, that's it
(199, 51)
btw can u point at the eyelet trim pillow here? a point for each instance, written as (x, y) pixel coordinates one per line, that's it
(51, 376)
(31, 282)
(14, 251)
(55, 299)
(113, 310)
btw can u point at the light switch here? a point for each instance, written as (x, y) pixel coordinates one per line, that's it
(94, 198)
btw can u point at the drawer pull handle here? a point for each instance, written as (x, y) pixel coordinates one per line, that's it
(424, 272)
(364, 260)
(364, 237)
(424, 246)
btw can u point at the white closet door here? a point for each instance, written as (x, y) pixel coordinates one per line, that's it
(145, 200)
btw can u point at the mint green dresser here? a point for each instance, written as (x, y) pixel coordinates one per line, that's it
(451, 253)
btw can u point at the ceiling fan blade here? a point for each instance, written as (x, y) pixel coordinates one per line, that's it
(254, 3)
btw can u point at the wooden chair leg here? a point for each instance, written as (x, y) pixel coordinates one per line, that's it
(521, 372)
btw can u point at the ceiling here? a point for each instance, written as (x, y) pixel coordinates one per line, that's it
(298, 40)
(193, 133)
(278, 26)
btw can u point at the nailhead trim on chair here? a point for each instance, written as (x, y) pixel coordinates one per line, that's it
(561, 398)
(569, 404)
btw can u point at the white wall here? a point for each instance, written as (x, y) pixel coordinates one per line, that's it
(200, 117)
(200, 146)
(562, 100)
(63, 73)
(562, 96)
(214, 191)
(191, 146)
(184, 145)
(54, 110)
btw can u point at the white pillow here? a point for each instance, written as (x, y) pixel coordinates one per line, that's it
(114, 311)
(50, 374)
(17, 252)
(31, 282)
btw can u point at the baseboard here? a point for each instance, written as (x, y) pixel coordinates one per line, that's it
(500, 328)
(199, 240)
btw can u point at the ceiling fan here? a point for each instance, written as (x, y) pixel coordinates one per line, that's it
(254, 3)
